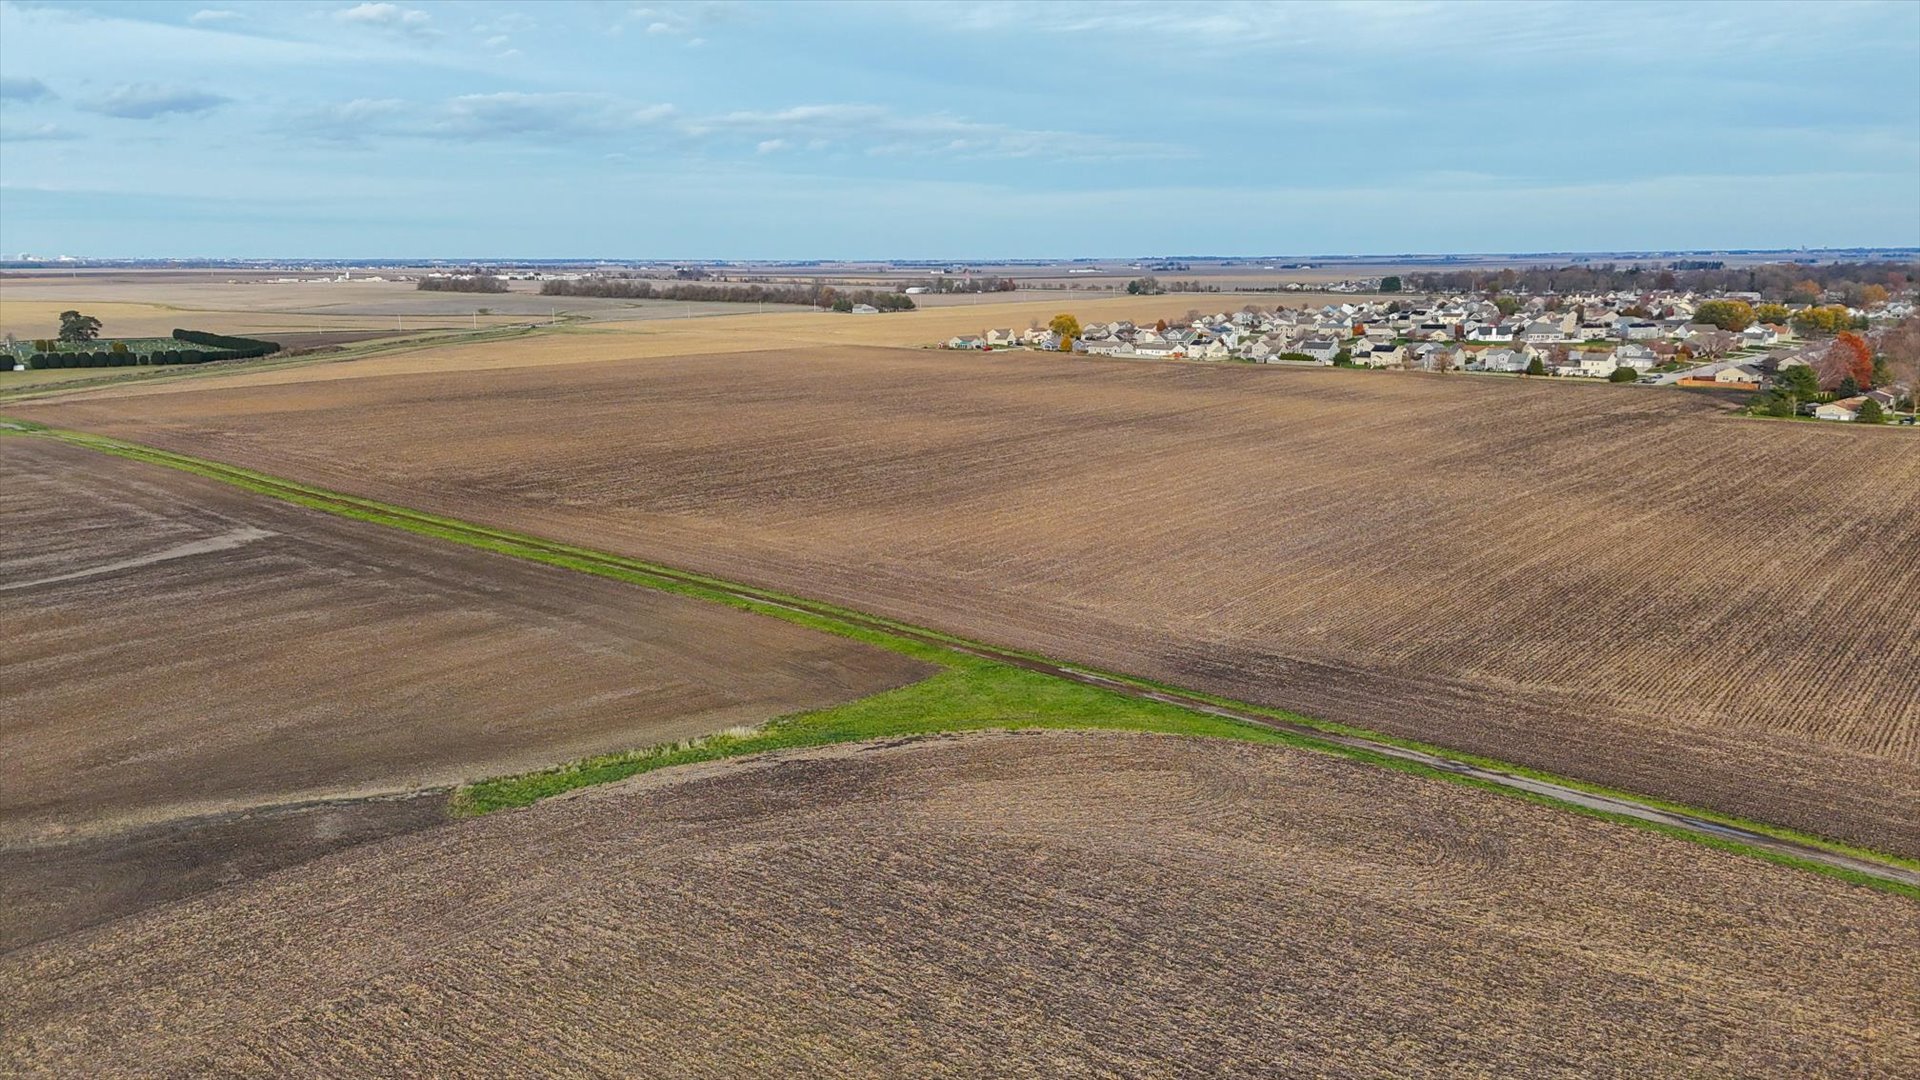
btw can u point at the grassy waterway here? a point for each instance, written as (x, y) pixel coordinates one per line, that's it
(981, 688)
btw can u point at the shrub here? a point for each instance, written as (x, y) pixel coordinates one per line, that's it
(226, 347)
(1623, 374)
(1870, 413)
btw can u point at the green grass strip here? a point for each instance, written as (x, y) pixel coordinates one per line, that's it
(972, 694)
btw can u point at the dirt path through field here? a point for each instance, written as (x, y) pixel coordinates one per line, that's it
(226, 541)
(1079, 904)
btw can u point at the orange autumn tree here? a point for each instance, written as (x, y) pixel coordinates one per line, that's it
(1849, 357)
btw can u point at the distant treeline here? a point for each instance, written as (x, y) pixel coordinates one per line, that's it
(476, 283)
(825, 296)
(971, 284)
(116, 354)
(1850, 283)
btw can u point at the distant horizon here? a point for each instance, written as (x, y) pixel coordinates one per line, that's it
(1355, 257)
(377, 129)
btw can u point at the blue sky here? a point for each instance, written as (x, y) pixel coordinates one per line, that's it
(935, 130)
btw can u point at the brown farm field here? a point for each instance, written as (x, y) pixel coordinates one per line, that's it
(1060, 904)
(1619, 585)
(199, 681)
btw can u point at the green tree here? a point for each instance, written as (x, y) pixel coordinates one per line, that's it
(1799, 382)
(77, 327)
(1734, 315)
(1870, 413)
(1507, 304)
(1623, 375)
(1390, 283)
(1535, 367)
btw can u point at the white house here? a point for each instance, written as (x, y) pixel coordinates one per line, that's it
(1637, 357)
(1589, 363)
(1509, 360)
(1845, 409)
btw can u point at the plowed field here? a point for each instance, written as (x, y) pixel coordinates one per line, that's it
(1613, 583)
(997, 905)
(195, 678)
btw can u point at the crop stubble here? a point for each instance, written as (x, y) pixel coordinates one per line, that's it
(1615, 584)
(166, 720)
(1060, 904)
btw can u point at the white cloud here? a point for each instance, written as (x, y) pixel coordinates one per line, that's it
(772, 146)
(145, 101)
(880, 130)
(390, 17)
(553, 117)
(38, 133)
(214, 16)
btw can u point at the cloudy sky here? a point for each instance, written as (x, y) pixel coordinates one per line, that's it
(844, 130)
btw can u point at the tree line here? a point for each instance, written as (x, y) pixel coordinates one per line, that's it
(463, 283)
(1856, 284)
(823, 296)
(117, 354)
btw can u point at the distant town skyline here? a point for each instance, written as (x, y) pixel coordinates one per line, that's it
(952, 131)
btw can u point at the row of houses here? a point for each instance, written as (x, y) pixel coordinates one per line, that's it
(1653, 336)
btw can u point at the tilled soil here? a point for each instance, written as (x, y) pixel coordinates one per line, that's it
(1058, 904)
(1612, 583)
(181, 654)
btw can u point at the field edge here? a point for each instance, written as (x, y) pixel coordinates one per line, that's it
(946, 651)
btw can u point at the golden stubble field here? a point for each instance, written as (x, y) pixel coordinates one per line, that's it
(181, 654)
(1615, 584)
(1053, 904)
(133, 304)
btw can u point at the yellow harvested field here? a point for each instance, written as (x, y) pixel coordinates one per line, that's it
(615, 339)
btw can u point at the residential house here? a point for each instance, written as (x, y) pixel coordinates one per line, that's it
(1321, 349)
(1588, 363)
(1637, 357)
(1542, 333)
(1847, 409)
(1507, 360)
(1002, 339)
(1739, 375)
(965, 341)
(1380, 356)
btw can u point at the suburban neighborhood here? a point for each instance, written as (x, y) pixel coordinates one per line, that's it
(1684, 339)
